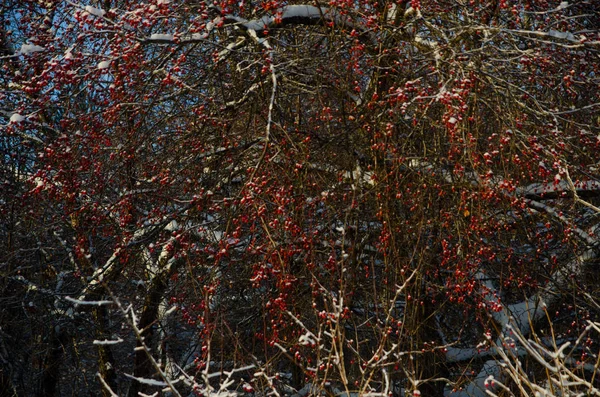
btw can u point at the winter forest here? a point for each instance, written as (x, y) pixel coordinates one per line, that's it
(278, 198)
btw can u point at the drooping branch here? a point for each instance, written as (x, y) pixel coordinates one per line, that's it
(560, 189)
(295, 15)
(285, 16)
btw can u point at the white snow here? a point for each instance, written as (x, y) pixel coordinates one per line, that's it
(562, 35)
(171, 310)
(29, 48)
(172, 226)
(458, 354)
(94, 11)
(392, 13)
(560, 185)
(159, 36)
(259, 24)
(146, 381)
(198, 36)
(294, 11)
(79, 302)
(107, 342)
(16, 118)
(104, 65)
(452, 120)
(303, 11)
(307, 339)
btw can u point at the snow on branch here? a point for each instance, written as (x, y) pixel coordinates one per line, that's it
(300, 14)
(582, 234)
(146, 381)
(106, 386)
(113, 265)
(33, 287)
(479, 386)
(30, 48)
(551, 36)
(79, 302)
(107, 342)
(131, 318)
(513, 319)
(555, 34)
(292, 15)
(550, 191)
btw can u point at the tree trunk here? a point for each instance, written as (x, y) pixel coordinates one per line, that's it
(105, 356)
(427, 366)
(143, 367)
(52, 364)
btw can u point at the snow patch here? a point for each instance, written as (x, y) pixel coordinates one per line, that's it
(159, 36)
(392, 13)
(146, 381)
(29, 48)
(103, 65)
(291, 12)
(79, 302)
(172, 226)
(171, 310)
(562, 35)
(106, 342)
(307, 339)
(94, 11)
(198, 36)
(16, 118)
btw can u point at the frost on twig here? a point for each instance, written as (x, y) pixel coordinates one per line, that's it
(79, 302)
